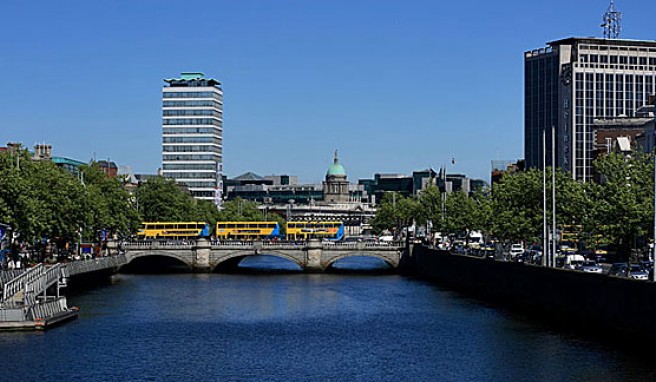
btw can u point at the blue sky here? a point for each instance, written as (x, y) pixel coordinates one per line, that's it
(395, 86)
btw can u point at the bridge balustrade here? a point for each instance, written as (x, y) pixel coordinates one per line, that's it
(92, 265)
(137, 245)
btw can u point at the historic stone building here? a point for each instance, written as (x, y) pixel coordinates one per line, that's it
(336, 187)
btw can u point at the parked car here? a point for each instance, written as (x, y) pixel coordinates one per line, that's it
(633, 271)
(590, 267)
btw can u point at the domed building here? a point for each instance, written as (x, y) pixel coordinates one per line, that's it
(336, 187)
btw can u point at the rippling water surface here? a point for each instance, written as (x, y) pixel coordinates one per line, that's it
(273, 326)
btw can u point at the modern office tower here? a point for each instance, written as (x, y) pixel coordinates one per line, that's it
(573, 81)
(192, 134)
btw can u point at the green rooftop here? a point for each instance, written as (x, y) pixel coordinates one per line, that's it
(192, 75)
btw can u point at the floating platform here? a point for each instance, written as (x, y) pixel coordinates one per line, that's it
(41, 323)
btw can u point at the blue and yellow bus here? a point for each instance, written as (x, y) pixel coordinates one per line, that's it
(173, 230)
(247, 230)
(300, 230)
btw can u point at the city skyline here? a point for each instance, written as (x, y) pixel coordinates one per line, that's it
(394, 88)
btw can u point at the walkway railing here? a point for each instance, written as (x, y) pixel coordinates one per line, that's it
(18, 283)
(49, 309)
(92, 265)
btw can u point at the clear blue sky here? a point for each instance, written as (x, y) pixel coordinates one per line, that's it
(395, 86)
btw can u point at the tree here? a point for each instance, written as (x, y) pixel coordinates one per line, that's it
(161, 199)
(461, 215)
(394, 212)
(517, 204)
(624, 200)
(430, 208)
(239, 209)
(109, 205)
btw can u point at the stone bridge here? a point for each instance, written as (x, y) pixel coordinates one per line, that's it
(313, 256)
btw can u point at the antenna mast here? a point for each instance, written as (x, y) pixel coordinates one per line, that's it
(612, 22)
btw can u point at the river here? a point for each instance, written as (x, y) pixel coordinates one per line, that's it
(289, 326)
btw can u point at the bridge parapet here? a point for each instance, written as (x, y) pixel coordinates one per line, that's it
(143, 245)
(92, 265)
(360, 246)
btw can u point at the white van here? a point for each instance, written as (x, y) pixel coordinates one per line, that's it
(516, 250)
(386, 239)
(572, 261)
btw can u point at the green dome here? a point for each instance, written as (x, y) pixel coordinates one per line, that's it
(336, 168)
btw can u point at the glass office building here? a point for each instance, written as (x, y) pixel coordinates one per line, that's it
(192, 134)
(573, 81)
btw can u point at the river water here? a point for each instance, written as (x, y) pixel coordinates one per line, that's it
(285, 326)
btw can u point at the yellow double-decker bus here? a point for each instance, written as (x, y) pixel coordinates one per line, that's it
(333, 230)
(247, 230)
(173, 230)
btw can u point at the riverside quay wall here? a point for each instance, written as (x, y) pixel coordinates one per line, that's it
(604, 305)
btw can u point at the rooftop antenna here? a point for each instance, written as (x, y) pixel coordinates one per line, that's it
(612, 22)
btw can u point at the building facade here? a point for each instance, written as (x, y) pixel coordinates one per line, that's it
(192, 134)
(574, 81)
(336, 187)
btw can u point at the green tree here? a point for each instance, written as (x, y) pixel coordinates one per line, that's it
(623, 207)
(206, 211)
(161, 199)
(430, 208)
(517, 204)
(109, 206)
(239, 209)
(461, 213)
(395, 212)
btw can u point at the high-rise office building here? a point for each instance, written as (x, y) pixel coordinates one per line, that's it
(192, 134)
(573, 81)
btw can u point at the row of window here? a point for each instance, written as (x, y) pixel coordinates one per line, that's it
(191, 175)
(191, 157)
(212, 95)
(193, 103)
(209, 184)
(192, 130)
(203, 194)
(202, 139)
(626, 60)
(189, 166)
(192, 121)
(615, 49)
(213, 113)
(193, 149)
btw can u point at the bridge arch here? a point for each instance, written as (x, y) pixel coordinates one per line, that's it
(391, 259)
(237, 256)
(131, 256)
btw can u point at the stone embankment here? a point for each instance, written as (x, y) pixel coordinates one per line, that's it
(583, 301)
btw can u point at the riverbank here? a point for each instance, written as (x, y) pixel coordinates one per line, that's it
(618, 307)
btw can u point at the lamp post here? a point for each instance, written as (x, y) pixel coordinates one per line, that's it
(653, 249)
(545, 239)
(553, 195)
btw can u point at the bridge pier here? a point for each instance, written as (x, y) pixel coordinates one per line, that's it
(201, 259)
(313, 252)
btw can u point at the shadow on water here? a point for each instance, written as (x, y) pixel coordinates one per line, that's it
(155, 265)
(260, 264)
(571, 328)
(361, 265)
(268, 264)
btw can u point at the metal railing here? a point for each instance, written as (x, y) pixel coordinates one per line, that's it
(48, 309)
(18, 283)
(92, 265)
(39, 285)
